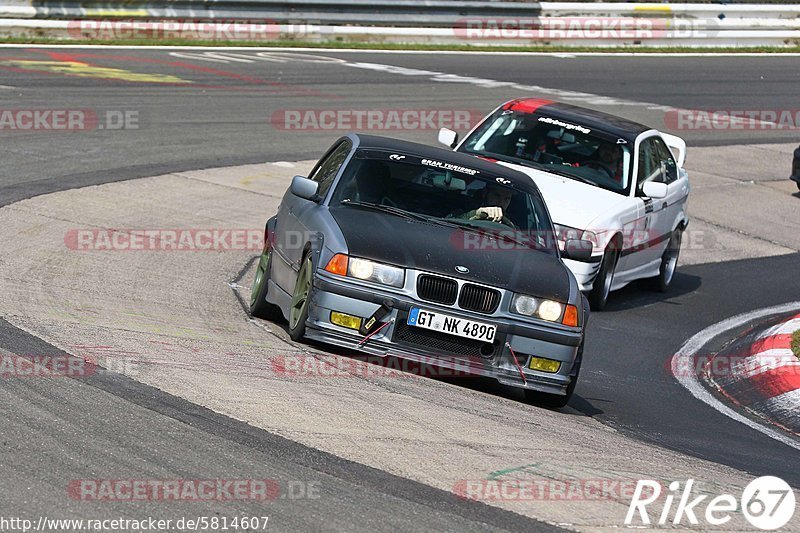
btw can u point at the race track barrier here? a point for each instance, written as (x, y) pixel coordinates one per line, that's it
(499, 23)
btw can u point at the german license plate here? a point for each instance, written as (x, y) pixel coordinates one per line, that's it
(461, 327)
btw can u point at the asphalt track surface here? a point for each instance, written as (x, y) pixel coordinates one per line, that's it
(223, 118)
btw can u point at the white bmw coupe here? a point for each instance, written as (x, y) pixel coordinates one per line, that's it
(605, 179)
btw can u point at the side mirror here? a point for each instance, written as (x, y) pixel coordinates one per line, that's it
(304, 188)
(577, 250)
(448, 137)
(654, 189)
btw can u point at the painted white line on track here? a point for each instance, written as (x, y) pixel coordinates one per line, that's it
(782, 329)
(444, 77)
(404, 52)
(9, 87)
(690, 381)
(432, 75)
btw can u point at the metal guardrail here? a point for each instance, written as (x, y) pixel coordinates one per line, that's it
(426, 13)
(482, 22)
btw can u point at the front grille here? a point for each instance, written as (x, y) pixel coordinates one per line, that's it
(436, 289)
(440, 344)
(479, 299)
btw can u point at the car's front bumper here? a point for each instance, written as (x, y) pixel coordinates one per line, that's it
(441, 350)
(585, 272)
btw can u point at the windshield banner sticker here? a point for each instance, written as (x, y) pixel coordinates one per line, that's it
(564, 125)
(449, 166)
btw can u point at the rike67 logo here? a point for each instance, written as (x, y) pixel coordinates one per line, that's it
(767, 503)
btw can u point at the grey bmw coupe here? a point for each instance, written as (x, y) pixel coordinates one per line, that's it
(398, 249)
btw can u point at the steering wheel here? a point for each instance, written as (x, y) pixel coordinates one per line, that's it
(504, 221)
(601, 166)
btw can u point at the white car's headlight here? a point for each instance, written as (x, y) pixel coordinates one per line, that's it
(355, 267)
(549, 310)
(565, 233)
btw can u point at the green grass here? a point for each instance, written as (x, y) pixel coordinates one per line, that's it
(395, 46)
(796, 343)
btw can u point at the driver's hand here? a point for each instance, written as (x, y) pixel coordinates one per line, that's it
(495, 214)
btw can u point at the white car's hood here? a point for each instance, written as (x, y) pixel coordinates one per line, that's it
(572, 202)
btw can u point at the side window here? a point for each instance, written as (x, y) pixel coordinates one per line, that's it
(646, 167)
(655, 163)
(670, 168)
(327, 169)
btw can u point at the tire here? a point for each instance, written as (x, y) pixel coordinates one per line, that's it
(669, 261)
(298, 311)
(598, 296)
(259, 306)
(556, 401)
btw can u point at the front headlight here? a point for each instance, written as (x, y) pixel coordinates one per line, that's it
(361, 268)
(565, 233)
(549, 310)
(524, 305)
(367, 270)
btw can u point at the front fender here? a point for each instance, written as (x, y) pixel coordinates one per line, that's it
(269, 231)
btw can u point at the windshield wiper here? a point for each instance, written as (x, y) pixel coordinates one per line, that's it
(486, 231)
(449, 223)
(509, 159)
(571, 176)
(386, 209)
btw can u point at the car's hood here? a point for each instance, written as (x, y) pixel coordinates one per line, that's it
(572, 202)
(429, 247)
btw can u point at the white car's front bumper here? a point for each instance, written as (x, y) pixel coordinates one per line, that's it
(585, 272)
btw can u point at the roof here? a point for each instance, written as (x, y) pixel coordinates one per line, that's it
(374, 142)
(595, 120)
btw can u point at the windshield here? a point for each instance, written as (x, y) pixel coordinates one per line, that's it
(554, 146)
(438, 192)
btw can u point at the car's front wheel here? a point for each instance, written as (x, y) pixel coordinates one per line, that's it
(259, 306)
(298, 312)
(669, 261)
(598, 296)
